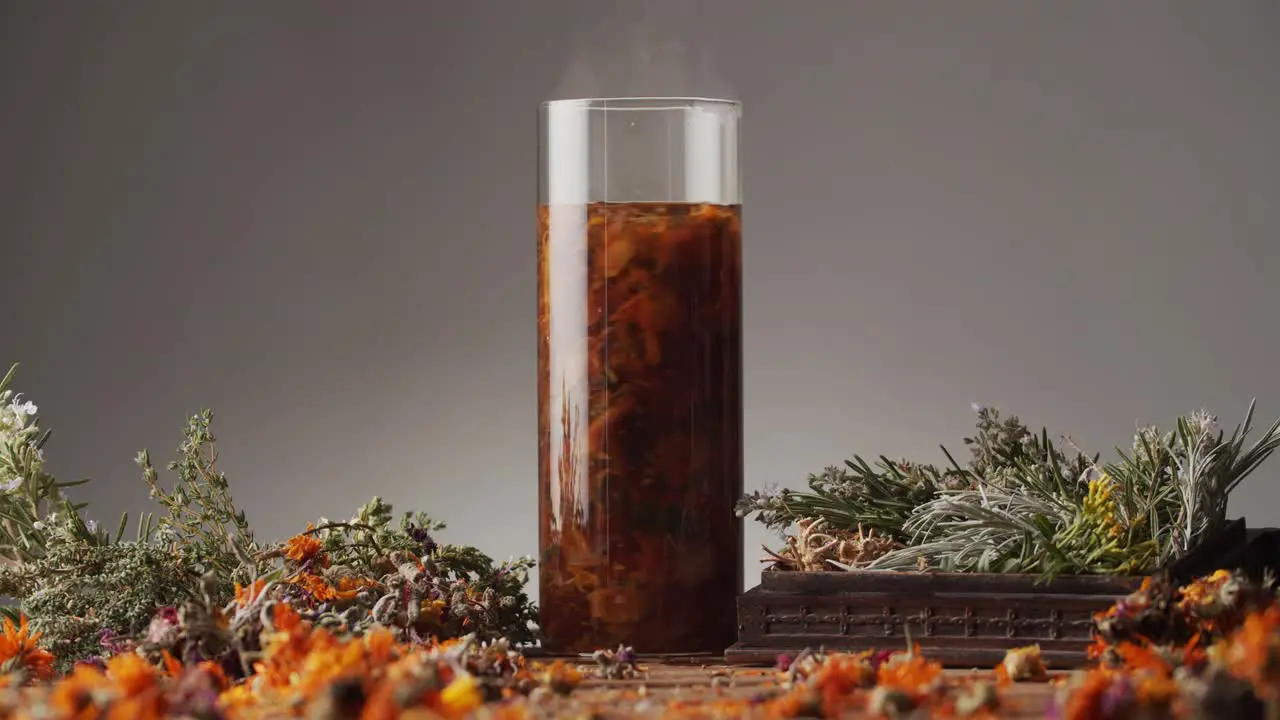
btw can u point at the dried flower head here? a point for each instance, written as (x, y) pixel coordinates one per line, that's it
(21, 653)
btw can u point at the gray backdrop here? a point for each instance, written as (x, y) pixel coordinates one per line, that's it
(317, 218)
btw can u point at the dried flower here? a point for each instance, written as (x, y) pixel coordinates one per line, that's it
(303, 548)
(21, 653)
(1023, 664)
(617, 664)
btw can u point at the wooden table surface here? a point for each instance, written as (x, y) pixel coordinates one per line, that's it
(708, 679)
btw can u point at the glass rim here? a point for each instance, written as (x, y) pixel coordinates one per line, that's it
(641, 103)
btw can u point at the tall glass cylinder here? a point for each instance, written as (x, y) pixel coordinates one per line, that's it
(639, 373)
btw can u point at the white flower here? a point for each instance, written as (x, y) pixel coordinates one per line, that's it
(11, 485)
(977, 407)
(92, 525)
(1203, 422)
(17, 407)
(39, 525)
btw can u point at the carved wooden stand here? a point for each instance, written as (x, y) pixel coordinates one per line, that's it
(959, 619)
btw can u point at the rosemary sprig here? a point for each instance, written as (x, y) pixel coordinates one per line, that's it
(1022, 504)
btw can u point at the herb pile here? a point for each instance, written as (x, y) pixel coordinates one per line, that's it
(189, 580)
(191, 616)
(1209, 649)
(1023, 503)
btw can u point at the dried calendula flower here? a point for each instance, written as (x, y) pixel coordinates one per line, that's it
(560, 677)
(21, 654)
(1024, 664)
(303, 547)
(910, 672)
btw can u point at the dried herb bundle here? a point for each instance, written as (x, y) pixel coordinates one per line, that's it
(1024, 504)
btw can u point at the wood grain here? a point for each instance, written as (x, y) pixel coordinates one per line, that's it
(703, 681)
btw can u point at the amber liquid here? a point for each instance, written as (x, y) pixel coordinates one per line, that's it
(639, 425)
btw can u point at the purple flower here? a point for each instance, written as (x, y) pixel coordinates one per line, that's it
(626, 656)
(879, 658)
(112, 642)
(93, 661)
(784, 662)
(421, 536)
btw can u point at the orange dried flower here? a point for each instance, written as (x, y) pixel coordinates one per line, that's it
(910, 672)
(1253, 651)
(137, 682)
(303, 547)
(214, 670)
(1143, 658)
(1097, 649)
(559, 676)
(20, 650)
(246, 595)
(132, 674)
(172, 666)
(324, 591)
(1085, 701)
(73, 696)
(838, 677)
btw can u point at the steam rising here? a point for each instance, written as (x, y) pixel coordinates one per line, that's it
(661, 53)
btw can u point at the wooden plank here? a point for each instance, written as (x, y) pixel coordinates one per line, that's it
(695, 685)
(956, 655)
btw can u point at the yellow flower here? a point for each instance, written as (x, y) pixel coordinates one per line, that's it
(461, 696)
(431, 611)
(1100, 507)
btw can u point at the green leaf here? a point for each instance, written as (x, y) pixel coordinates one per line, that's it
(17, 519)
(8, 377)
